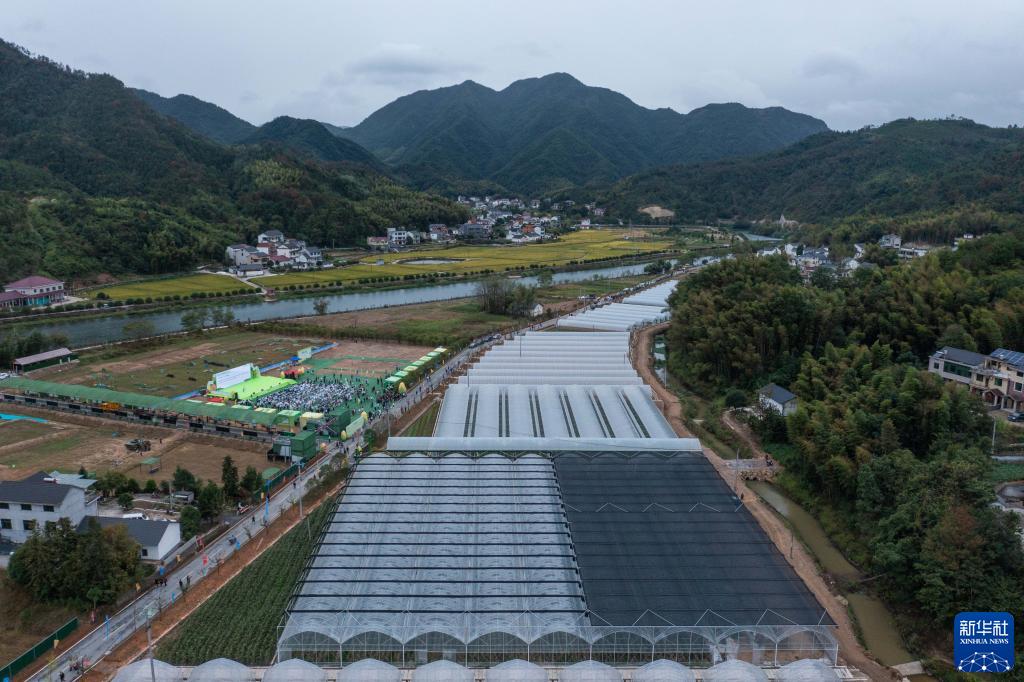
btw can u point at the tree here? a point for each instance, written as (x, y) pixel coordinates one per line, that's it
(229, 477)
(184, 479)
(125, 500)
(189, 520)
(210, 500)
(545, 278)
(150, 488)
(735, 398)
(252, 481)
(139, 329)
(222, 317)
(194, 320)
(320, 306)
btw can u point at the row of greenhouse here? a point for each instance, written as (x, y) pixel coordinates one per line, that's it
(371, 670)
(647, 307)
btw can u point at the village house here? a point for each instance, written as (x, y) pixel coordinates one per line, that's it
(157, 539)
(32, 291)
(41, 499)
(777, 399)
(890, 241)
(998, 378)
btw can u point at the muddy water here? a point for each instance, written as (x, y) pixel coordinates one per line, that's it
(876, 622)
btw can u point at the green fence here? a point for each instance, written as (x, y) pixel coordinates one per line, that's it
(44, 645)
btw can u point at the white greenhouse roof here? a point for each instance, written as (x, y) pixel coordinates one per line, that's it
(220, 670)
(369, 670)
(735, 671)
(614, 316)
(517, 670)
(550, 446)
(663, 671)
(589, 671)
(442, 671)
(295, 670)
(139, 671)
(807, 670)
(655, 296)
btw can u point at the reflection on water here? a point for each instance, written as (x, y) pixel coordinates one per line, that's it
(90, 331)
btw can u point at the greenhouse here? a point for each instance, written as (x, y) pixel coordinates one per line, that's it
(735, 671)
(517, 670)
(294, 670)
(614, 316)
(369, 670)
(656, 296)
(554, 517)
(220, 670)
(589, 671)
(663, 671)
(141, 671)
(442, 671)
(807, 670)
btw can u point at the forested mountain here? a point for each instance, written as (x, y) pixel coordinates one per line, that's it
(546, 133)
(903, 168)
(203, 117)
(93, 180)
(313, 139)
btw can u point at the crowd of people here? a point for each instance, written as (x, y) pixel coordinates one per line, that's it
(325, 393)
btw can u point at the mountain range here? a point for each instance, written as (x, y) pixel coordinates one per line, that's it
(537, 135)
(903, 168)
(93, 180)
(542, 134)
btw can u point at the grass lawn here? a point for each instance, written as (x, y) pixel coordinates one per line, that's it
(171, 286)
(1006, 471)
(18, 431)
(576, 246)
(175, 367)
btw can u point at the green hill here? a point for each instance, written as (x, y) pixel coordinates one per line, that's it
(904, 168)
(93, 180)
(542, 134)
(313, 139)
(202, 117)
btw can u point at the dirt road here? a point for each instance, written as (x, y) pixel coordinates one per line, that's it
(803, 563)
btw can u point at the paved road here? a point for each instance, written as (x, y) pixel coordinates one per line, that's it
(128, 620)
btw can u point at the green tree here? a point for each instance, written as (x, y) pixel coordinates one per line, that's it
(194, 320)
(125, 500)
(320, 306)
(229, 477)
(189, 520)
(139, 329)
(184, 479)
(210, 500)
(252, 481)
(151, 487)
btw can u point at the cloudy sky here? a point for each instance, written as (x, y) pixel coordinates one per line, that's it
(850, 63)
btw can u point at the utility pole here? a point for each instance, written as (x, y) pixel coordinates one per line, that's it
(993, 436)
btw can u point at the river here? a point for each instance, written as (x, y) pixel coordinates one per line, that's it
(90, 331)
(877, 626)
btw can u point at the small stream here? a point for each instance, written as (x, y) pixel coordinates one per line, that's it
(877, 626)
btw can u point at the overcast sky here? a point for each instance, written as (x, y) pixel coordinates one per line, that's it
(849, 63)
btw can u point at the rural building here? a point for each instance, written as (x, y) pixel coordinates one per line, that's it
(911, 251)
(777, 399)
(474, 231)
(33, 291)
(402, 236)
(57, 356)
(251, 270)
(998, 378)
(41, 499)
(156, 538)
(890, 241)
(379, 243)
(273, 236)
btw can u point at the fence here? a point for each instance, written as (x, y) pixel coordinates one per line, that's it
(41, 647)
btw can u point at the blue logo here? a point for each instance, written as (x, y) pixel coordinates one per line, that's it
(983, 642)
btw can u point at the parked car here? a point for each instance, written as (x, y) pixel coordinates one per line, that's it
(1016, 417)
(4, 375)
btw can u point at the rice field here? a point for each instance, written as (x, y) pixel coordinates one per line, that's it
(573, 247)
(171, 286)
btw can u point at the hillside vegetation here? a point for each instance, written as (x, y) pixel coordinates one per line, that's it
(905, 172)
(548, 133)
(202, 117)
(892, 460)
(93, 180)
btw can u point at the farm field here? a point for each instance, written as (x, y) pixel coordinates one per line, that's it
(240, 620)
(172, 286)
(428, 324)
(590, 287)
(366, 358)
(67, 442)
(177, 367)
(424, 424)
(576, 246)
